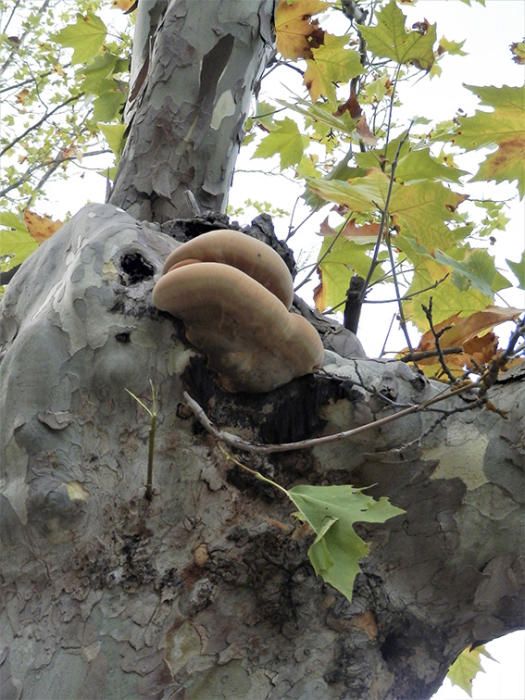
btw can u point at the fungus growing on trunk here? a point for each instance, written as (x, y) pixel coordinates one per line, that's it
(233, 294)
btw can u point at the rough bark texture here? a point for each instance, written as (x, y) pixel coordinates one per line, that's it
(206, 592)
(189, 99)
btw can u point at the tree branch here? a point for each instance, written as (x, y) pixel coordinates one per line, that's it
(245, 446)
(40, 122)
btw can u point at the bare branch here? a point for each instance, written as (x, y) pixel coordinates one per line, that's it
(437, 335)
(245, 446)
(40, 122)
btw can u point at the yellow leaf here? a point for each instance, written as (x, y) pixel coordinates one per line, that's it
(331, 63)
(503, 127)
(466, 667)
(296, 32)
(40, 227)
(123, 5)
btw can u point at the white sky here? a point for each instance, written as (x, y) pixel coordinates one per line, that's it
(488, 32)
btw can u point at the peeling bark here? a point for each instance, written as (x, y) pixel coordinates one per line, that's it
(190, 94)
(206, 592)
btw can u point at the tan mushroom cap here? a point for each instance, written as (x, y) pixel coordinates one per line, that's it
(243, 252)
(247, 333)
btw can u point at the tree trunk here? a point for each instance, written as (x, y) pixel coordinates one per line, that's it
(190, 96)
(205, 591)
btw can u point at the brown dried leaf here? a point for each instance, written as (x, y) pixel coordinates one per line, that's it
(40, 227)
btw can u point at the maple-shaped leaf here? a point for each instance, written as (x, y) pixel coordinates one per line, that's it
(286, 140)
(360, 194)
(518, 268)
(295, 30)
(518, 52)
(421, 210)
(85, 37)
(40, 227)
(454, 48)
(339, 259)
(331, 512)
(476, 267)
(331, 63)
(114, 134)
(15, 242)
(391, 40)
(503, 127)
(421, 165)
(466, 667)
(432, 280)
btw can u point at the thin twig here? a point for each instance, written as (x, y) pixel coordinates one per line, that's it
(324, 255)
(437, 336)
(38, 166)
(423, 355)
(388, 241)
(491, 375)
(240, 444)
(384, 214)
(251, 471)
(34, 79)
(21, 39)
(34, 126)
(383, 349)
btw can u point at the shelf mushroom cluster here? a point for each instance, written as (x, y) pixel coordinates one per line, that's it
(233, 294)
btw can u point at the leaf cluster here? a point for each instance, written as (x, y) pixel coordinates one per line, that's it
(401, 209)
(63, 73)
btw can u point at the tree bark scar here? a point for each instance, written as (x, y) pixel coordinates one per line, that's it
(213, 65)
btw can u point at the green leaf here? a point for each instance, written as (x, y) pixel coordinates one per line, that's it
(383, 158)
(478, 268)
(322, 113)
(423, 210)
(86, 37)
(504, 127)
(454, 48)
(362, 194)
(420, 165)
(339, 260)
(97, 73)
(16, 244)
(390, 39)
(420, 210)
(106, 107)
(285, 140)
(518, 268)
(466, 667)
(447, 298)
(331, 512)
(114, 134)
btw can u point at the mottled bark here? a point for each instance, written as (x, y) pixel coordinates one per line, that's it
(206, 591)
(195, 71)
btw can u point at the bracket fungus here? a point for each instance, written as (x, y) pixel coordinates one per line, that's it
(233, 294)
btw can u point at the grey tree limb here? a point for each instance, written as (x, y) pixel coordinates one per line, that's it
(206, 591)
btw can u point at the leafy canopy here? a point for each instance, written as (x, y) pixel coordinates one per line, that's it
(63, 83)
(409, 186)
